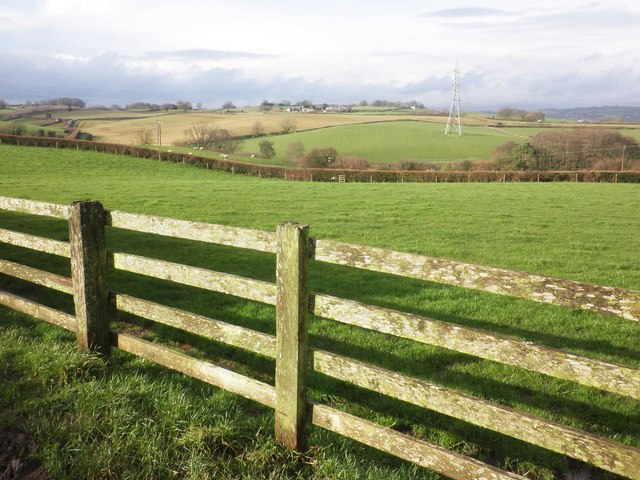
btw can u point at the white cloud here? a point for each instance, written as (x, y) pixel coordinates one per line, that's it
(543, 52)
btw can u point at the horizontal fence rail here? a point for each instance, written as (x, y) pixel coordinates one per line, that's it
(34, 242)
(35, 310)
(567, 293)
(257, 290)
(584, 370)
(39, 277)
(206, 327)
(289, 398)
(203, 232)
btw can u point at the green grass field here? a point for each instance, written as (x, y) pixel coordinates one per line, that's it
(389, 142)
(134, 419)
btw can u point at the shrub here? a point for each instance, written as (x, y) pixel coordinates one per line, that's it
(266, 149)
(294, 152)
(351, 163)
(318, 158)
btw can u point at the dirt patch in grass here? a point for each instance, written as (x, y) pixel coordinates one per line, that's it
(16, 462)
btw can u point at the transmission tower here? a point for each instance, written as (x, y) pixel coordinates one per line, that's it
(455, 122)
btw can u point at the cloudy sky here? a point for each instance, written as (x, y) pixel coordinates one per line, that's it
(528, 54)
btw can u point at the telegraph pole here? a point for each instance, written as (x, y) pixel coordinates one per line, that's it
(159, 133)
(454, 121)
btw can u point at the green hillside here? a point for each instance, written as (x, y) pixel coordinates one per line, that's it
(389, 142)
(136, 420)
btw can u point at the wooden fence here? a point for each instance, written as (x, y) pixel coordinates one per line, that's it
(293, 247)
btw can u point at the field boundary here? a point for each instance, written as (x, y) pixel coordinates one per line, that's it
(294, 249)
(326, 174)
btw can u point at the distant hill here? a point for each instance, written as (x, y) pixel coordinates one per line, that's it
(626, 114)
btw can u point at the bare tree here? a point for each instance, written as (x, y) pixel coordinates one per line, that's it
(184, 105)
(257, 129)
(201, 134)
(288, 125)
(223, 141)
(143, 137)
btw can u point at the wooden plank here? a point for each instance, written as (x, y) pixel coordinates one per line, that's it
(292, 310)
(89, 276)
(420, 452)
(587, 371)
(207, 327)
(207, 372)
(35, 208)
(39, 277)
(610, 300)
(607, 454)
(33, 242)
(257, 290)
(41, 312)
(203, 232)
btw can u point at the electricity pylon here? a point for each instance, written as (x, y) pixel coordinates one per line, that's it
(454, 121)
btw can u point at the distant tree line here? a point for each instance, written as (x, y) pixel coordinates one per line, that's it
(306, 104)
(183, 105)
(207, 135)
(510, 113)
(70, 102)
(575, 149)
(390, 103)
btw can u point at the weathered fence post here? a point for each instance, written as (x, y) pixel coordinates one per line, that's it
(291, 334)
(89, 275)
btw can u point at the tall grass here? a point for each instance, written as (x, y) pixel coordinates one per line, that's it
(581, 231)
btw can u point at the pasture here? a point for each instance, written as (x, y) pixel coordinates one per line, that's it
(142, 419)
(392, 141)
(377, 135)
(117, 128)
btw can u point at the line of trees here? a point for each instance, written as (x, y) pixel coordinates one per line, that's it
(510, 113)
(209, 135)
(178, 105)
(391, 103)
(575, 149)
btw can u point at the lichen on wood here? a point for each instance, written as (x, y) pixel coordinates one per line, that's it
(34, 242)
(38, 277)
(248, 288)
(36, 310)
(601, 452)
(45, 209)
(204, 232)
(587, 371)
(207, 327)
(609, 300)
